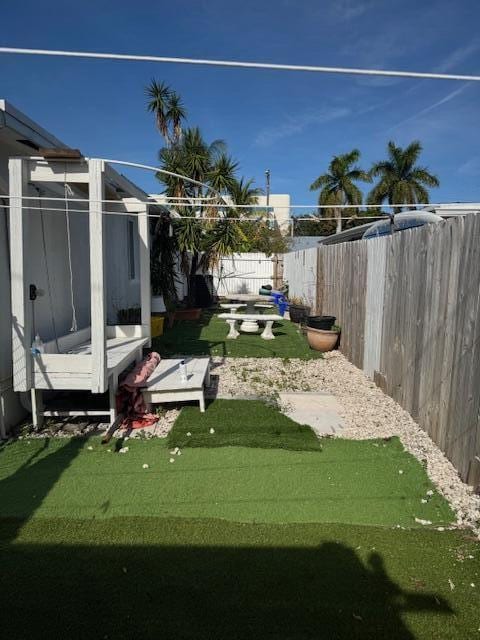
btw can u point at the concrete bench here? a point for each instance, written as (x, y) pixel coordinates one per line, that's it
(233, 308)
(165, 385)
(250, 323)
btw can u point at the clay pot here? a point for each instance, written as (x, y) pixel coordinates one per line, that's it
(321, 340)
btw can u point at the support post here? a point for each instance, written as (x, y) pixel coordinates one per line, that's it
(21, 313)
(145, 290)
(96, 183)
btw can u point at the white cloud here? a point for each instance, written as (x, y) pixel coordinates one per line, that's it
(344, 10)
(471, 167)
(296, 124)
(458, 56)
(450, 96)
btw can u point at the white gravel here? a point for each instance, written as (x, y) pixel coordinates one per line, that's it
(366, 410)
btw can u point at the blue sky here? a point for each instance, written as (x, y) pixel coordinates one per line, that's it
(291, 123)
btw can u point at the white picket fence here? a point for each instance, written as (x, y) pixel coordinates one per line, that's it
(243, 273)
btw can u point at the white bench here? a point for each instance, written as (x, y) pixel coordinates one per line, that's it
(165, 385)
(251, 319)
(233, 308)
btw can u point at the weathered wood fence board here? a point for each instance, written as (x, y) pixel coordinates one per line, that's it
(409, 308)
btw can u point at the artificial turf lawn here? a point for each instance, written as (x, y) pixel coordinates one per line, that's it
(246, 423)
(208, 336)
(348, 481)
(154, 578)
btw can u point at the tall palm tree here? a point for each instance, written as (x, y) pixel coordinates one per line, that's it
(168, 109)
(401, 180)
(337, 186)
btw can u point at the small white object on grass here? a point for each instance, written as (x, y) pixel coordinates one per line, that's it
(429, 492)
(174, 451)
(123, 450)
(424, 522)
(145, 466)
(452, 586)
(212, 430)
(90, 448)
(172, 459)
(424, 501)
(400, 471)
(472, 584)
(189, 433)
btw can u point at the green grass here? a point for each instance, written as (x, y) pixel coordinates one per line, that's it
(246, 423)
(347, 482)
(242, 542)
(208, 336)
(153, 578)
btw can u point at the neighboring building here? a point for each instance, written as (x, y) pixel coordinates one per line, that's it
(48, 258)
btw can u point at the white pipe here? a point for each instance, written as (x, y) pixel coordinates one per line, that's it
(241, 64)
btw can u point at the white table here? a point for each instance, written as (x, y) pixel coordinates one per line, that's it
(165, 385)
(249, 326)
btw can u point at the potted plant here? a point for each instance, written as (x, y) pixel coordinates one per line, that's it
(298, 310)
(323, 339)
(321, 322)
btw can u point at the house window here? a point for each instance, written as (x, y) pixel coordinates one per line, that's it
(131, 248)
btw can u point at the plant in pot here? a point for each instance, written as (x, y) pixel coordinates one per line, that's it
(323, 339)
(298, 310)
(163, 273)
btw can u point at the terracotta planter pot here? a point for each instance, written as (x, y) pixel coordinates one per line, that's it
(321, 340)
(188, 314)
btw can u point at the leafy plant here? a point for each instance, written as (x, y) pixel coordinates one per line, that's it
(401, 180)
(130, 315)
(337, 186)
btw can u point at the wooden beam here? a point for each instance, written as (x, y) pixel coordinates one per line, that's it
(58, 171)
(96, 173)
(21, 315)
(145, 289)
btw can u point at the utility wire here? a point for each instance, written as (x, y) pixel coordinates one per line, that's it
(240, 64)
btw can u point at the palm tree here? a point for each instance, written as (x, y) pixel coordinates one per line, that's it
(209, 164)
(243, 192)
(401, 180)
(168, 109)
(338, 184)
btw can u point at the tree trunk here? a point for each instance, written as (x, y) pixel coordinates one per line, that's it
(191, 280)
(338, 214)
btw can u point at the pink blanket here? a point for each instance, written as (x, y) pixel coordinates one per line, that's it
(129, 396)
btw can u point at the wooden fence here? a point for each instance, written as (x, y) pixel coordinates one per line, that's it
(409, 308)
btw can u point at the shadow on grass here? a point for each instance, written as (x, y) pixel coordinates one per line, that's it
(153, 591)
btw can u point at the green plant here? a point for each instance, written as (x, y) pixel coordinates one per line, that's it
(130, 315)
(297, 301)
(401, 180)
(337, 328)
(337, 186)
(163, 257)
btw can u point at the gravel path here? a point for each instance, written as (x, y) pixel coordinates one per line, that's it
(367, 412)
